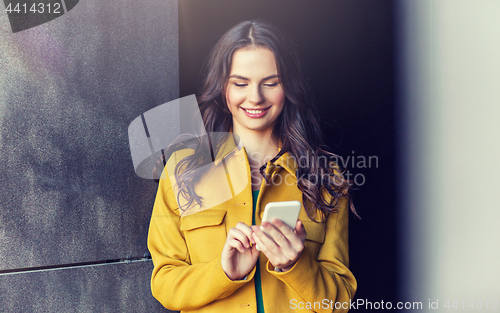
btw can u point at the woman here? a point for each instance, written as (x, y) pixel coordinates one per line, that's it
(263, 145)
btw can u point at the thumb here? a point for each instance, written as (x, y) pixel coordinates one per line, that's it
(255, 252)
(300, 230)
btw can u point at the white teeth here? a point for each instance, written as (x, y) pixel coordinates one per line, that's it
(254, 111)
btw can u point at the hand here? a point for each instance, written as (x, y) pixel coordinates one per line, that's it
(283, 246)
(238, 256)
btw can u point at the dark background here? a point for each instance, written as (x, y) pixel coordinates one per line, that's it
(346, 48)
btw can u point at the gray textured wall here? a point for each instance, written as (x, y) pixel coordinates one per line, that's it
(68, 192)
(105, 288)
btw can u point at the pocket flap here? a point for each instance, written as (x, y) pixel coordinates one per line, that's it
(202, 219)
(315, 231)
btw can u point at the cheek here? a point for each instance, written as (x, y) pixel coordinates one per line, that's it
(277, 97)
(234, 98)
(281, 97)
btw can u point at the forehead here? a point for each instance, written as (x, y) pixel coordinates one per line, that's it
(253, 62)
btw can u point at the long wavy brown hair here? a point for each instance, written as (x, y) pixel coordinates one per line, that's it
(297, 129)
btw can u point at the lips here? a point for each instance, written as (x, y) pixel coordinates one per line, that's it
(256, 113)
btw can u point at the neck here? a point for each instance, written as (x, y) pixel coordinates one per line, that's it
(260, 146)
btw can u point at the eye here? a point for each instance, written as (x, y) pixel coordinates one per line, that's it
(271, 85)
(240, 85)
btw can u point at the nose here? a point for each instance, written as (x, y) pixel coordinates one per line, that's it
(255, 95)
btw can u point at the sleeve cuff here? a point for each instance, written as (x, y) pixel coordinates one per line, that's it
(302, 267)
(230, 286)
(244, 280)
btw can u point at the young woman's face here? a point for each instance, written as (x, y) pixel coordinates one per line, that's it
(254, 94)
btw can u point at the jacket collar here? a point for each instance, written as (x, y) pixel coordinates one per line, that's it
(287, 162)
(229, 146)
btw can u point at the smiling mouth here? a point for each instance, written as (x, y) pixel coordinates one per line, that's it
(254, 111)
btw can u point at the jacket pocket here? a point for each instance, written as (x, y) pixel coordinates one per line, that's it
(205, 234)
(315, 237)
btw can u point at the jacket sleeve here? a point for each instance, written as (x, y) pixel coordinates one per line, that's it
(176, 283)
(328, 275)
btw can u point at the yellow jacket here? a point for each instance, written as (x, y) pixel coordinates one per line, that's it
(186, 248)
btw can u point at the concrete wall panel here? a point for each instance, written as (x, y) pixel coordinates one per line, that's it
(68, 90)
(106, 288)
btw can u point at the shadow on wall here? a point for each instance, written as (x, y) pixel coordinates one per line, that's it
(31, 13)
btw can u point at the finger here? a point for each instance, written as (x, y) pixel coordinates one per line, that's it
(235, 244)
(245, 229)
(283, 228)
(265, 244)
(276, 258)
(256, 244)
(291, 243)
(231, 245)
(300, 230)
(298, 238)
(276, 234)
(262, 231)
(235, 233)
(255, 251)
(254, 229)
(295, 238)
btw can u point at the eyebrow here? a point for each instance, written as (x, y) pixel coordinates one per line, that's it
(244, 78)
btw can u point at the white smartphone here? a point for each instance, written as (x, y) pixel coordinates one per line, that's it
(286, 211)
